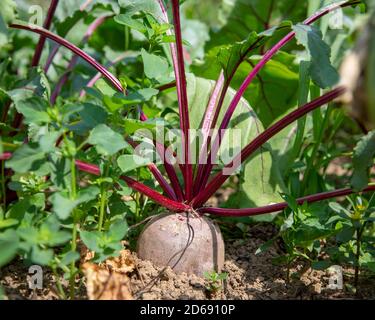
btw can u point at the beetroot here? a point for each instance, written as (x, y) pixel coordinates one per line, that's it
(185, 242)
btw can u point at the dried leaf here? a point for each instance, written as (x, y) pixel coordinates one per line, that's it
(106, 285)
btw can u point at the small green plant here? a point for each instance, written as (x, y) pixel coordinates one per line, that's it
(214, 281)
(355, 241)
(301, 229)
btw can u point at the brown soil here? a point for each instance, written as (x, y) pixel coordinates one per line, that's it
(250, 276)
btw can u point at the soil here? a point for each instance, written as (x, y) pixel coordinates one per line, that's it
(249, 277)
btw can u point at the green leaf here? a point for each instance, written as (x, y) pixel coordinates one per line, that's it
(322, 72)
(91, 240)
(134, 6)
(142, 95)
(105, 88)
(36, 83)
(321, 265)
(41, 256)
(63, 205)
(69, 257)
(133, 125)
(155, 67)
(8, 10)
(8, 246)
(363, 160)
(119, 100)
(34, 110)
(91, 115)
(8, 223)
(3, 33)
(127, 20)
(265, 246)
(130, 162)
(106, 141)
(118, 230)
(68, 10)
(341, 211)
(195, 35)
(230, 56)
(247, 16)
(29, 157)
(345, 235)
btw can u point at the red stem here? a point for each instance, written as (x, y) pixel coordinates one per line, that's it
(5, 156)
(183, 101)
(162, 150)
(73, 61)
(50, 58)
(266, 135)
(157, 174)
(280, 206)
(209, 123)
(268, 56)
(135, 185)
(17, 121)
(42, 39)
(94, 79)
(33, 28)
(140, 187)
(113, 80)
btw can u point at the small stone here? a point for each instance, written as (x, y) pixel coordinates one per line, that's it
(196, 282)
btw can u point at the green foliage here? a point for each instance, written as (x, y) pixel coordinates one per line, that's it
(363, 160)
(106, 141)
(63, 205)
(8, 245)
(131, 162)
(105, 244)
(322, 72)
(214, 280)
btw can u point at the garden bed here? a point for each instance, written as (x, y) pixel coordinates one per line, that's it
(249, 277)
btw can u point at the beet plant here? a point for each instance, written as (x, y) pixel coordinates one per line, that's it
(84, 153)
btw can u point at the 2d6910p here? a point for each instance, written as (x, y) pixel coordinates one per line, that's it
(209, 309)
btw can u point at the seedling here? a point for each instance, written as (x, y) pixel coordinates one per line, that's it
(214, 281)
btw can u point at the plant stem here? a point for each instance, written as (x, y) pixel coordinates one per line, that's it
(318, 142)
(303, 93)
(17, 122)
(58, 284)
(267, 57)
(282, 205)
(103, 200)
(266, 135)
(182, 99)
(358, 254)
(3, 187)
(288, 272)
(36, 29)
(140, 187)
(73, 196)
(73, 61)
(42, 39)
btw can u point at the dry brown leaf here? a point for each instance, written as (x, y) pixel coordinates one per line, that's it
(103, 284)
(122, 264)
